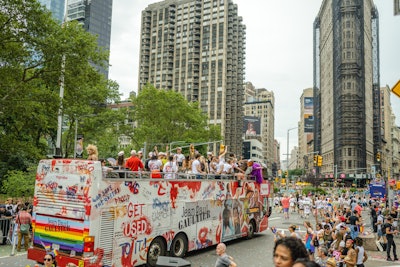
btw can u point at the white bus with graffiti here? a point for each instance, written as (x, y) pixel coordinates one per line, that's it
(91, 219)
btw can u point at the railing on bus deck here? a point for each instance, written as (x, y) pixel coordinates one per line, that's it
(126, 174)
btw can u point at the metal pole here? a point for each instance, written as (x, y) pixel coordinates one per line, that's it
(287, 154)
(60, 110)
(76, 136)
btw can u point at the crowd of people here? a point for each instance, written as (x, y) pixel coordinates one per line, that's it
(168, 165)
(335, 239)
(16, 220)
(16, 216)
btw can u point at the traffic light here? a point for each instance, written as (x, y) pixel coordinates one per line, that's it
(286, 174)
(378, 157)
(315, 160)
(319, 161)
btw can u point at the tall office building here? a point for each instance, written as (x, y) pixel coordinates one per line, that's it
(259, 114)
(305, 131)
(95, 17)
(346, 86)
(57, 8)
(197, 47)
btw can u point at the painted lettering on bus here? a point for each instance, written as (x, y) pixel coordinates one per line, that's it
(127, 249)
(169, 236)
(135, 210)
(161, 205)
(194, 215)
(122, 199)
(106, 195)
(161, 214)
(54, 225)
(136, 227)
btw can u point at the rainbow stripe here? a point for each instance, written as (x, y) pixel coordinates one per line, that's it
(66, 233)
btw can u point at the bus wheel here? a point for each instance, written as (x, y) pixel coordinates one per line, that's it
(179, 245)
(156, 248)
(251, 229)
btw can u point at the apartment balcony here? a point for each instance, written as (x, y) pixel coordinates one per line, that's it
(147, 19)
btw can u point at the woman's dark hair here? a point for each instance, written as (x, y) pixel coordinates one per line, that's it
(295, 245)
(307, 263)
(120, 160)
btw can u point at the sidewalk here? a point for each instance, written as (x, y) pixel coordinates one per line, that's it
(376, 254)
(6, 251)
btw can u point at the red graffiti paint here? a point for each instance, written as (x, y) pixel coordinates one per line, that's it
(203, 235)
(126, 259)
(169, 236)
(99, 254)
(136, 227)
(194, 187)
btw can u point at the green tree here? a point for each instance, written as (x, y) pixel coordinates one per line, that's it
(35, 52)
(164, 116)
(20, 183)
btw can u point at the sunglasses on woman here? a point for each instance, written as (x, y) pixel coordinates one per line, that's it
(47, 259)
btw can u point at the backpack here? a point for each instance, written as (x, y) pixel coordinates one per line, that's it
(24, 228)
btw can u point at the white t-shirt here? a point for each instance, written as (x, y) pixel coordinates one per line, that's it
(155, 164)
(179, 157)
(227, 168)
(195, 166)
(169, 170)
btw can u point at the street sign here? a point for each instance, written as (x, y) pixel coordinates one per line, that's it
(396, 89)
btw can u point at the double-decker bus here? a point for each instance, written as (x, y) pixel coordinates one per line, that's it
(93, 219)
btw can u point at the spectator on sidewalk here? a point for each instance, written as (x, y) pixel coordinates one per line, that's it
(361, 254)
(389, 230)
(5, 222)
(287, 250)
(23, 221)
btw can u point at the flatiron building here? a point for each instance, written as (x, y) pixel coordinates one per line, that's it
(346, 86)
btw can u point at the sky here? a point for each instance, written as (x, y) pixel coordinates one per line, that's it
(279, 46)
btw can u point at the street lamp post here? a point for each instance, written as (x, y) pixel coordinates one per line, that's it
(287, 152)
(60, 110)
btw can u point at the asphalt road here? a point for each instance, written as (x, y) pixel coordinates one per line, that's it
(256, 252)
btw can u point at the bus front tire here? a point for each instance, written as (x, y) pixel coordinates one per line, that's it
(157, 248)
(179, 246)
(251, 229)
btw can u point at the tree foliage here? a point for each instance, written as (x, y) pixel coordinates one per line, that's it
(20, 183)
(35, 53)
(164, 116)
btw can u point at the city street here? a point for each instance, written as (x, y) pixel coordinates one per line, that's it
(256, 252)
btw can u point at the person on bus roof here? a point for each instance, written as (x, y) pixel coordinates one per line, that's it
(134, 163)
